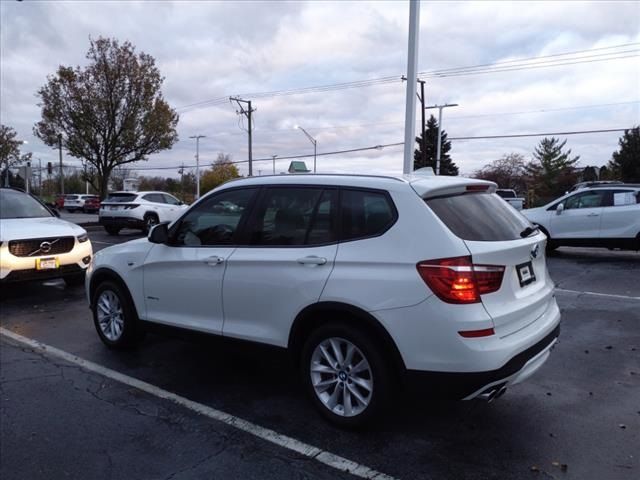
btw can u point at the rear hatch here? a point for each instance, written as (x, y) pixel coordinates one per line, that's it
(117, 202)
(497, 235)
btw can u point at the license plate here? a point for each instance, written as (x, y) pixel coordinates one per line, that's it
(525, 273)
(113, 208)
(47, 263)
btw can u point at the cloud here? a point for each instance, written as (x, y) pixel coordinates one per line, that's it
(208, 50)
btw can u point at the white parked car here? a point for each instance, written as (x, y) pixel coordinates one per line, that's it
(75, 203)
(366, 280)
(140, 210)
(599, 216)
(36, 245)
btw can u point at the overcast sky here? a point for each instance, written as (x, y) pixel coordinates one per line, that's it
(207, 50)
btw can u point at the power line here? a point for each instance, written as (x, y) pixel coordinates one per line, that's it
(495, 67)
(581, 132)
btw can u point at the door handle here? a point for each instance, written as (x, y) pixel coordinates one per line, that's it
(312, 260)
(593, 215)
(214, 260)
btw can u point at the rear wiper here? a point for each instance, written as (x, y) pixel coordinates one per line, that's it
(528, 231)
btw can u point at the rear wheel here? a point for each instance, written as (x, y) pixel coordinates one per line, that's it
(345, 374)
(114, 316)
(150, 220)
(112, 230)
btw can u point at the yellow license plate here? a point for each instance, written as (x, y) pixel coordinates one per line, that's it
(47, 263)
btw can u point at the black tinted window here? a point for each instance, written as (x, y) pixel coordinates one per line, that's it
(591, 199)
(365, 214)
(324, 223)
(479, 216)
(154, 197)
(170, 200)
(215, 221)
(121, 197)
(284, 216)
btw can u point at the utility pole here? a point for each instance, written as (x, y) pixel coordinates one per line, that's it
(422, 110)
(247, 113)
(274, 163)
(60, 156)
(440, 107)
(412, 67)
(315, 145)
(198, 137)
(40, 176)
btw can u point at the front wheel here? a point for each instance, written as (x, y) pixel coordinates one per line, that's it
(112, 230)
(345, 374)
(114, 316)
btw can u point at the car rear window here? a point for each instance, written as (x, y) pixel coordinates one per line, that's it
(71, 197)
(479, 217)
(121, 197)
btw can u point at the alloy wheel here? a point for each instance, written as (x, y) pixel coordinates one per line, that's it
(110, 315)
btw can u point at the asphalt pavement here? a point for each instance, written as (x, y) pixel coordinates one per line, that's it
(578, 417)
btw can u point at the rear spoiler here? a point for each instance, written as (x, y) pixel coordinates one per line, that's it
(460, 189)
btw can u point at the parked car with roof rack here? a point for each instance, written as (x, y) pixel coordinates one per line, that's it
(367, 281)
(138, 210)
(594, 216)
(36, 245)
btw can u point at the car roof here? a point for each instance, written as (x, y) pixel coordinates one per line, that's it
(127, 192)
(424, 185)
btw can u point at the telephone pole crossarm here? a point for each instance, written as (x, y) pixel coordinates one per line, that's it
(247, 113)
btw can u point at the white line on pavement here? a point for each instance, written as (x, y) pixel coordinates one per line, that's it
(327, 458)
(611, 295)
(103, 243)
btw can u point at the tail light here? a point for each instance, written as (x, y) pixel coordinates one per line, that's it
(131, 206)
(458, 280)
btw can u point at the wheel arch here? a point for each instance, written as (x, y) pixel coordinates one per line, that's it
(102, 274)
(315, 315)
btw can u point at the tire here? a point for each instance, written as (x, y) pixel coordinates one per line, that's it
(368, 396)
(150, 219)
(112, 230)
(74, 280)
(114, 316)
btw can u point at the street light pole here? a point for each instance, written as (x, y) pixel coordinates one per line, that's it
(60, 157)
(315, 145)
(412, 67)
(198, 137)
(440, 107)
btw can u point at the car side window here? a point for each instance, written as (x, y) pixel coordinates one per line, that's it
(592, 199)
(365, 214)
(214, 221)
(170, 199)
(154, 197)
(620, 198)
(285, 217)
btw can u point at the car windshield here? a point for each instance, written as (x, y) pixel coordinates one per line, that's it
(14, 204)
(121, 197)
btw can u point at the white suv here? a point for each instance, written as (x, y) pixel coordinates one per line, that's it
(139, 210)
(35, 245)
(366, 280)
(600, 216)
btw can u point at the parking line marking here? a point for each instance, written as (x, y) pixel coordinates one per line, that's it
(103, 243)
(302, 448)
(611, 295)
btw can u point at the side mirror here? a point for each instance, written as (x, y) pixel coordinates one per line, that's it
(159, 233)
(559, 209)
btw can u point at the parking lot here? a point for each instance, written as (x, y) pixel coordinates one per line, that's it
(62, 417)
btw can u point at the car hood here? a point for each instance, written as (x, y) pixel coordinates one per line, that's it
(19, 228)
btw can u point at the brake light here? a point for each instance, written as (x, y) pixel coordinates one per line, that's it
(131, 206)
(458, 280)
(477, 188)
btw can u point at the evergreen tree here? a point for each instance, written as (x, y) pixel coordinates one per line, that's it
(553, 170)
(625, 163)
(430, 145)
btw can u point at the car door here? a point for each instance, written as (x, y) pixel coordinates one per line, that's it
(183, 279)
(620, 214)
(289, 252)
(580, 216)
(157, 204)
(174, 207)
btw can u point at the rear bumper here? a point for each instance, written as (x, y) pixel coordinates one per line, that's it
(121, 222)
(468, 385)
